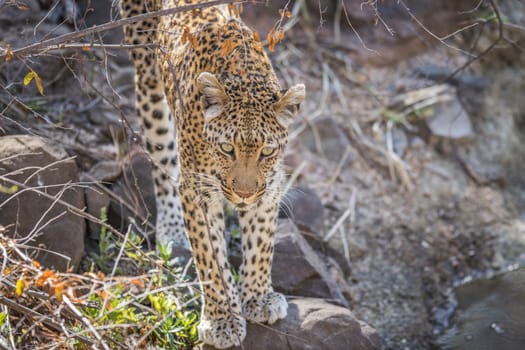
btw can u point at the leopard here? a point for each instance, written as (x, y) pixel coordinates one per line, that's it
(215, 123)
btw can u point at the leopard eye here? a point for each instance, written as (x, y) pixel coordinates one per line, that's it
(227, 148)
(267, 151)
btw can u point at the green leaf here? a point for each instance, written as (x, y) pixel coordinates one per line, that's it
(3, 317)
(193, 332)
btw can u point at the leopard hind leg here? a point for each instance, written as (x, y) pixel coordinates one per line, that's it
(157, 122)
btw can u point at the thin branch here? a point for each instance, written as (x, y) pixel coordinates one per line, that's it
(85, 321)
(350, 212)
(429, 32)
(472, 10)
(56, 42)
(489, 48)
(41, 318)
(355, 31)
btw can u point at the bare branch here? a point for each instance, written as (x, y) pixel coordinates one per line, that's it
(56, 42)
(489, 48)
(355, 31)
(429, 32)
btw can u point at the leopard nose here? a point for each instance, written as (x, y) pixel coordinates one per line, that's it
(245, 194)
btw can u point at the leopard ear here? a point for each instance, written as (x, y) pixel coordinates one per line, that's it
(213, 95)
(288, 106)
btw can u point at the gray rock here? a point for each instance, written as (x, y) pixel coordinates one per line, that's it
(106, 170)
(443, 74)
(335, 143)
(304, 207)
(32, 213)
(450, 120)
(97, 194)
(96, 200)
(490, 314)
(298, 270)
(134, 197)
(313, 324)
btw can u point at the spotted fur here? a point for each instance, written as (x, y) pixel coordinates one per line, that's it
(231, 119)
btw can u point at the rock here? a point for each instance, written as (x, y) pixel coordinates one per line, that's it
(106, 170)
(134, 197)
(34, 215)
(97, 196)
(298, 270)
(312, 324)
(97, 200)
(304, 207)
(399, 141)
(335, 143)
(490, 314)
(443, 74)
(450, 120)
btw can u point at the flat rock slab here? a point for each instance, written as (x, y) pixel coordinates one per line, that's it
(303, 206)
(38, 213)
(312, 324)
(299, 270)
(134, 197)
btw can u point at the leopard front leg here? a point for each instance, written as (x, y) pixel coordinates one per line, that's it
(222, 324)
(260, 303)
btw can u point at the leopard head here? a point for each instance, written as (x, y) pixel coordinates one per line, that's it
(246, 135)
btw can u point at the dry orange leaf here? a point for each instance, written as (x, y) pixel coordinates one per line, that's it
(233, 9)
(44, 277)
(103, 294)
(58, 291)
(273, 37)
(233, 67)
(8, 53)
(137, 282)
(185, 35)
(193, 41)
(280, 35)
(285, 13)
(227, 47)
(256, 36)
(271, 41)
(36, 264)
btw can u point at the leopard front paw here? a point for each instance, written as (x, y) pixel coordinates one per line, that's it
(223, 332)
(266, 308)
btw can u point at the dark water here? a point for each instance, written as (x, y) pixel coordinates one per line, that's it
(490, 315)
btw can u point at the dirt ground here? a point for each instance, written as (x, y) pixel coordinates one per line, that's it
(414, 208)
